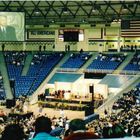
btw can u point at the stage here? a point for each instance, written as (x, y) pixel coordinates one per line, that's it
(78, 104)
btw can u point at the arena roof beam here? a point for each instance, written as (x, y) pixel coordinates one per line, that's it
(135, 9)
(109, 4)
(21, 5)
(7, 5)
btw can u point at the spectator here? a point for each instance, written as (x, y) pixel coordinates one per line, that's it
(13, 132)
(44, 47)
(116, 131)
(43, 128)
(77, 131)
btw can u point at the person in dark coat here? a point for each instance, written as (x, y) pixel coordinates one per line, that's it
(7, 33)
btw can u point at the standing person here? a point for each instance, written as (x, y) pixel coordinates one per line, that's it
(40, 47)
(44, 47)
(43, 128)
(3, 46)
(7, 33)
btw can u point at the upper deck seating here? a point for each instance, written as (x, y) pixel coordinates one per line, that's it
(76, 60)
(106, 61)
(134, 64)
(41, 66)
(15, 62)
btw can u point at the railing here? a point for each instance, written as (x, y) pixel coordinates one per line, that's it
(129, 72)
(67, 69)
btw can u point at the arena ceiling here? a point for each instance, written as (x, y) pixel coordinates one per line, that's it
(73, 12)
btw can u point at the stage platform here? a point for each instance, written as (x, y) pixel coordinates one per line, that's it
(72, 104)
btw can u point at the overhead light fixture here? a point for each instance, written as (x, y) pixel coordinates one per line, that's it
(52, 21)
(84, 20)
(124, 8)
(65, 10)
(93, 10)
(37, 11)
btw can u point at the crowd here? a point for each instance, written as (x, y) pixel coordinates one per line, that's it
(15, 58)
(111, 57)
(124, 121)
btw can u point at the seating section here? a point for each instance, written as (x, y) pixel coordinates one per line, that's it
(138, 86)
(2, 91)
(76, 60)
(128, 99)
(23, 85)
(106, 62)
(134, 64)
(125, 114)
(15, 62)
(41, 66)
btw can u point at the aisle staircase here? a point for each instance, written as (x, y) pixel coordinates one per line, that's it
(27, 64)
(125, 63)
(94, 55)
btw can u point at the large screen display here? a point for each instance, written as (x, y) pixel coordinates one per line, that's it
(12, 26)
(71, 35)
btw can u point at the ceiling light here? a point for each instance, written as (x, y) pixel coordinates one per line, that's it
(37, 11)
(93, 10)
(65, 10)
(124, 8)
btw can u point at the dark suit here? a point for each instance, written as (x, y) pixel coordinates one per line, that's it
(8, 35)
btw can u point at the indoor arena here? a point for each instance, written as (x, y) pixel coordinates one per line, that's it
(69, 70)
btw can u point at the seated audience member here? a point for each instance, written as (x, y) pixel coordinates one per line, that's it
(77, 131)
(116, 131)
(43, 128)
(13, 132)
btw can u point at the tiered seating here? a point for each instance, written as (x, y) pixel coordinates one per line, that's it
(41, 66)
(15, 63)
(2, 92)
(76, 60)
(138, 86)
(134, 64)
(106, 61)
(128, 99)
(23, 85)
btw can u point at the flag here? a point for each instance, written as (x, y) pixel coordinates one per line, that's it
(130, 28)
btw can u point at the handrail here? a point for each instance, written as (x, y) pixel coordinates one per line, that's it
(98, 71)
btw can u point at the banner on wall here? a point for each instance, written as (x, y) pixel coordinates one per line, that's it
(41, 35)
